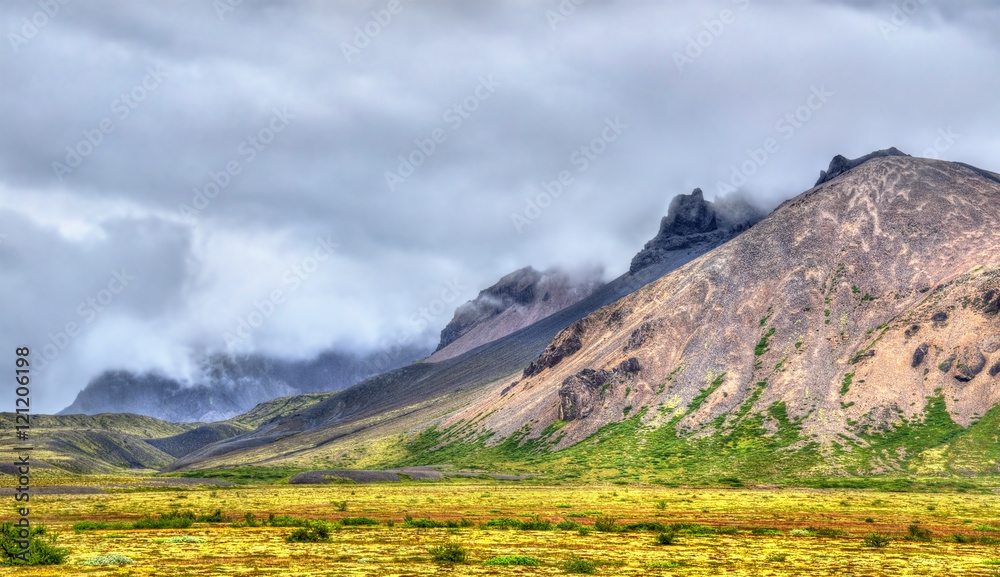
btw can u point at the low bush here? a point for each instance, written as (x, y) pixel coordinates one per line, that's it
(606, 524)
(109, 559)
(512, 560)
(355, 521)
(579, 565)
(918, 534)
(666, 538)
(316, 533)
(42, 548)
(876, 540)
(449, 553)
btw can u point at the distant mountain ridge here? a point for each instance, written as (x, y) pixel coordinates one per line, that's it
(230, 386)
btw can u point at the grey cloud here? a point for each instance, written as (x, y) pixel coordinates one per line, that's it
(325, 174)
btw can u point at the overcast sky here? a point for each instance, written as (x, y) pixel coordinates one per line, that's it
(297, 116)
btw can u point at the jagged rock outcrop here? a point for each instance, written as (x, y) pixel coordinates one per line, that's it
(565, 344)
(693, 223)
(580, 393)
(840, 164)
(517, 300)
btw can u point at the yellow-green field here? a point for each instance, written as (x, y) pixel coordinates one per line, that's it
(792, 548)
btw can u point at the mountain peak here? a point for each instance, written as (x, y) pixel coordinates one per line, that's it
(694, 226)
(841, 164)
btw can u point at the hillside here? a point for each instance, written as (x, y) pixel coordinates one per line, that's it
(852, 331)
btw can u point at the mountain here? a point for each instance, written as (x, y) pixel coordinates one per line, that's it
(411, 396)
(853, 331)
(514, 302)
(695, 224)
(230, 386)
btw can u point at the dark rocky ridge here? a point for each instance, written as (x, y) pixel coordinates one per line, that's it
(840, 164)
(693, 223)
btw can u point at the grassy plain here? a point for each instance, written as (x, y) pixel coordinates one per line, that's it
(763, 531)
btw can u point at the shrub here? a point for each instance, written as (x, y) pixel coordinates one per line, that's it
(448, 553)
(777, 558)
(353, 521)
(800, 532)
(661, 504)
(579, 565)
(876, 540)
(726, 530)
(986, 528)
(340, 505)
(645, 526)
(666, 538)
(411, 523)
(960, 538)
(764, 531)
(606, 523)
(583, 530)
(512, 560)
(918, 534)
(316, 533)
(215, 517)
(535, 524)
(41, 546)
(109, 559)
(567, 525)
(182, 539)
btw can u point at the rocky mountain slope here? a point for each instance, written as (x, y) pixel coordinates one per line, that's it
(230, 386)
(864, 306)
(517, 300)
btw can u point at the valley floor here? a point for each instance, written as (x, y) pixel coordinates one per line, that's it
(715, 531)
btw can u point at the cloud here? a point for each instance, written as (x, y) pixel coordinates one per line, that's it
(324, 174)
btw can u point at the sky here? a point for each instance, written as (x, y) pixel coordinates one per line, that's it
(194, 177)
